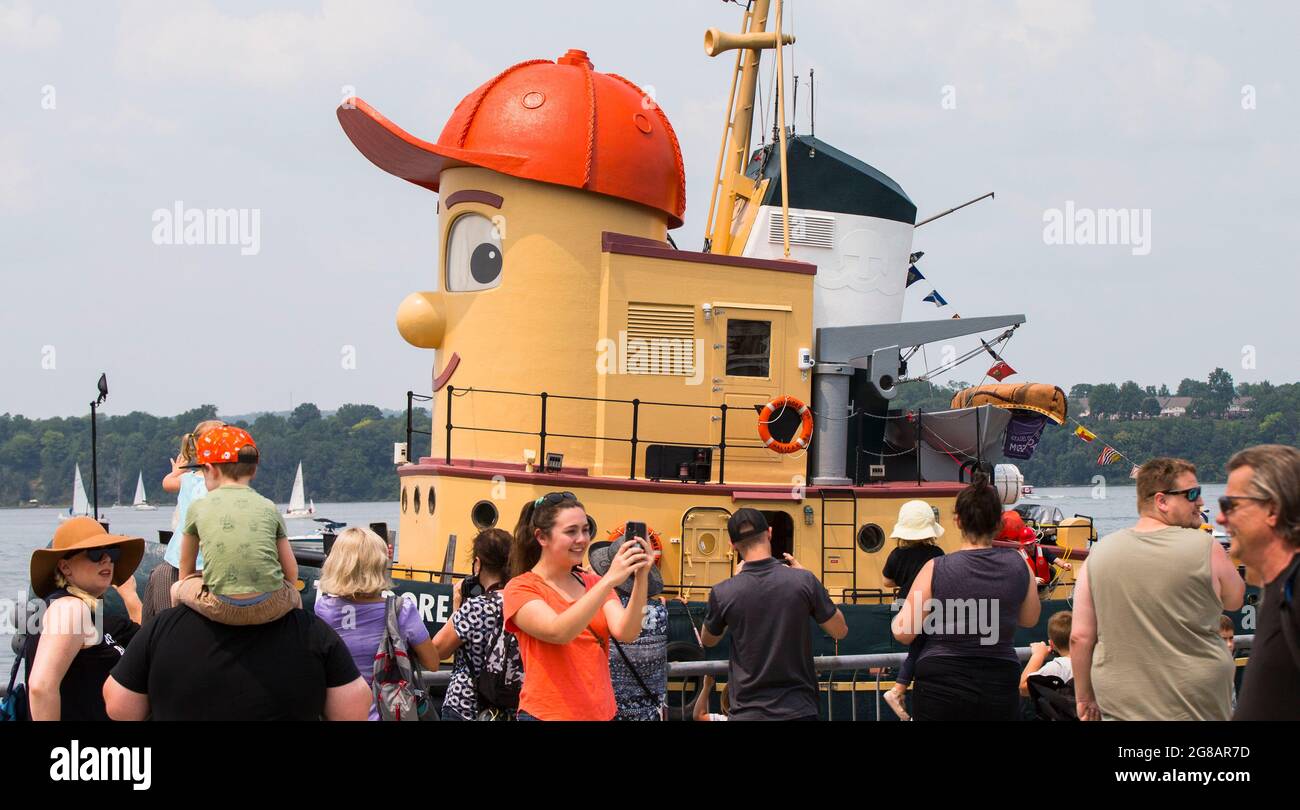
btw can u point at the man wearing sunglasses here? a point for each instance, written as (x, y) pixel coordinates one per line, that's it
(1145, 638)
(1260, 510)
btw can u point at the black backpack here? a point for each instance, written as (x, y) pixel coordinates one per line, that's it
(498, 684)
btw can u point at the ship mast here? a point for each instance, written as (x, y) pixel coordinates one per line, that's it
(730, 185)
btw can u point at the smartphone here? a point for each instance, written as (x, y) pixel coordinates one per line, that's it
(634, 529)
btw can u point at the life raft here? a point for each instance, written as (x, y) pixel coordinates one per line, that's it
(655, 541)
(799, 441)
(1048, 400)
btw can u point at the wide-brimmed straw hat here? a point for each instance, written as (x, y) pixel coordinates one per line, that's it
(916, 521)
(601, 554)
(79, 534)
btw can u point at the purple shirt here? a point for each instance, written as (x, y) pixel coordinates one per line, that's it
(361, 626)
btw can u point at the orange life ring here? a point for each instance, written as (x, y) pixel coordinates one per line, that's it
(800, 441)
(655, 542)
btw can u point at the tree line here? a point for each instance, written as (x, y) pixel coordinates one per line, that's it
(1204, 436)
(346, 455)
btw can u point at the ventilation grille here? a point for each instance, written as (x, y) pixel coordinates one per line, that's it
(810, 230)
(660, 340)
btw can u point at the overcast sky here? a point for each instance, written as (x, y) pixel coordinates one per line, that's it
(1186, 110)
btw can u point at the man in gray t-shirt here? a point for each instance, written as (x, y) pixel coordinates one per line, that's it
(767, 605)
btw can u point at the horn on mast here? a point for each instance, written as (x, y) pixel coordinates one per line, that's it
(716, 42)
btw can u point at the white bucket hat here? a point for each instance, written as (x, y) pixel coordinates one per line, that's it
(916, 521)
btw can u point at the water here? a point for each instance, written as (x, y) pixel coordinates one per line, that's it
(24, 530)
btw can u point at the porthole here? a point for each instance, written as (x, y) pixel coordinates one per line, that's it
(432, 497)
(707, 543)
(403, 500)
(871, 538)
(484, 514)
(417, 499)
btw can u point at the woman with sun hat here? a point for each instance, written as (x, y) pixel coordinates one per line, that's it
(69, 660)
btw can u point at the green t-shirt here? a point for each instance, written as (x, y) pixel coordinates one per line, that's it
(238, 532)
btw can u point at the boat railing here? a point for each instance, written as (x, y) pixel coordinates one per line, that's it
(843, 674)
(542, 433)
(411, 399)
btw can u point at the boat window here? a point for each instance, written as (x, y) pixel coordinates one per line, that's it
(403, 500)
(417, 499)
(474, 257)
(871, 538)
(749, 344)
(484, 514)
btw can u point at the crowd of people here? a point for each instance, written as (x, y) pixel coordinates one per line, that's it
(553, 626)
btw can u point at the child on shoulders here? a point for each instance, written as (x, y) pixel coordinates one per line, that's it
(249, 570)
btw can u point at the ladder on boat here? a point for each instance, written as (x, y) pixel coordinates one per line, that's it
(839, 560)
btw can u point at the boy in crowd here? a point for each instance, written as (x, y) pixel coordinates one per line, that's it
(1058, 636)
(249, 569)
(1228, 633)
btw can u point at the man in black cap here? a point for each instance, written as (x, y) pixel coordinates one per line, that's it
(767, 605)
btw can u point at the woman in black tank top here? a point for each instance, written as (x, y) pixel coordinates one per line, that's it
(968, 669)
(69, 660)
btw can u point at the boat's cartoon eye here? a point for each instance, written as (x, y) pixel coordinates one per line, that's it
(474, 258)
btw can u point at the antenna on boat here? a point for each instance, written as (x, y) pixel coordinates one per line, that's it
(812, 102)
(950, 210)
(794, 108)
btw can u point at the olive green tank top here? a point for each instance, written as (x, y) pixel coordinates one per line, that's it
(1158, 653)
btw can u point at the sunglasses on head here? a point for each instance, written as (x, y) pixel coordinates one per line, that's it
(554, 498)
(98, 554)
(1193, 493)
(1229, 502)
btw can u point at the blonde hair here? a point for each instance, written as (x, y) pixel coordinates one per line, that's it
(358, 565)
(60, 581)
(189, 439)
(924, 541)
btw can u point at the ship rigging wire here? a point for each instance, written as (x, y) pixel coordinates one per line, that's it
(1002, 338)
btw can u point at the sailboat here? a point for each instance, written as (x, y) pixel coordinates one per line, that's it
(80, 503)
(141, 503)
(298, 507)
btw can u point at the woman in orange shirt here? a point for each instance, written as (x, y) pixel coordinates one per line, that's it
(564, 617)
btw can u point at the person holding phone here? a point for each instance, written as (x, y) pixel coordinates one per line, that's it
(564, 617)
(766, 606)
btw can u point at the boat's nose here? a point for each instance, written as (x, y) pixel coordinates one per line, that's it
(422, 319)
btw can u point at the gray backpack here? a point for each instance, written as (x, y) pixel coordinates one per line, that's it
(396, 685)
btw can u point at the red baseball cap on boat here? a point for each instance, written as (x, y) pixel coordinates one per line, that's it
(223, 445)
(558, 122)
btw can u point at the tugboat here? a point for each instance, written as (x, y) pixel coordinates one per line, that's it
(577, 348)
